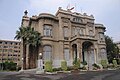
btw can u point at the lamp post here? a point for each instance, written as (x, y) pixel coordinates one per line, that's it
(40, 61)
(40, 64)
(22, 64)
(40, 55)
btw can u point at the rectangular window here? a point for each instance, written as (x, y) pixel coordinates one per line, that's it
(5, 46)
(91, 33)
(0, 42)
(65, 32)
(47, 30)
(73, 31)
(66, 54)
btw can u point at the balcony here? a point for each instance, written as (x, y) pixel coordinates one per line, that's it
(85, 37)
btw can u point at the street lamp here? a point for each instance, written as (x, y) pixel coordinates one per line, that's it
(40, 61)
(40, 64)
(40, 55)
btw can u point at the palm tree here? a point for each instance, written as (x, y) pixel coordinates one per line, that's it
(31, 38)
(34, 42)
(22, 35)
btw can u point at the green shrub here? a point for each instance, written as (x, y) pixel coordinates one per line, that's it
(57, 69)
(96, 66)
(114, 63)
(13, 66)
(9, 66)
(48, 66)
(84, 63)
(76, 64)
(104, 63)
(64, 65)
(70, 68)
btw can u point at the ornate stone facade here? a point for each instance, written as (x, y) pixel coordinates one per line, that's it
(68, 35)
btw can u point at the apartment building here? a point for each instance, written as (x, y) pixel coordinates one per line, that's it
(10, 51)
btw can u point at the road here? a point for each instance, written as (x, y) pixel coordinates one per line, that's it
(82, 75)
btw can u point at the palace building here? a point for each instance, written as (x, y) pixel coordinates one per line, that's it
(68, 35)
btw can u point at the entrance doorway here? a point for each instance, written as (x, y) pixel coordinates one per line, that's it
(74, 49)
(88, 53)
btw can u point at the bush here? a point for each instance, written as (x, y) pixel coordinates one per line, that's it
(48, 66)
(76, 64)
(9, 66)
(12, 66)
(95, 66)
(104, 63)
(84, 63)
(57, 69)
(114, 63)
(70, 68)
(64, 65)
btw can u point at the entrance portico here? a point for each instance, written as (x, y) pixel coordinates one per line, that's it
(88, 53)
(85, 51)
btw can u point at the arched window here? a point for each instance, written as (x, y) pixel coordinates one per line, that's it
(47, 53)
(103, 53)
(47, 30)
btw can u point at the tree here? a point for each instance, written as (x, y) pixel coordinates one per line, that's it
(34, 42)
(22, 35)
(31, 38)
(112, 49)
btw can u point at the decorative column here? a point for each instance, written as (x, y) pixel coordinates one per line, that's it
(81, 55)
(78, 49)
(27, 57)
(95, 55)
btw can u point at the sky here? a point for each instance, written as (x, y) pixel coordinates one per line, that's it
(106, 12)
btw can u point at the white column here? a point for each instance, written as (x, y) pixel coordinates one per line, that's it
(27, 57)
(78, 50)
